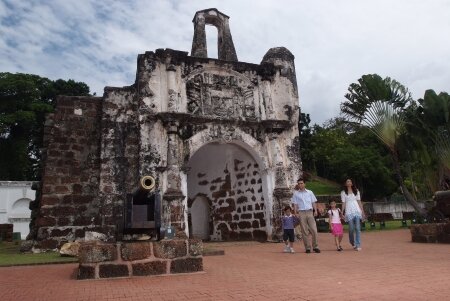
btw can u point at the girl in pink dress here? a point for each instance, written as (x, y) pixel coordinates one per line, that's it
(334, 219)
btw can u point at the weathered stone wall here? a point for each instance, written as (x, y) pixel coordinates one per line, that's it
(125, 259)
(68, 202)
(177, 105)
(119, 169)
(231, 181)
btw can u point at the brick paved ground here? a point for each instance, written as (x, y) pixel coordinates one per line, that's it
(389, 267)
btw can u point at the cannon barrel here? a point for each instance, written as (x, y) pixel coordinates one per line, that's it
(142, 210)
(146, 185)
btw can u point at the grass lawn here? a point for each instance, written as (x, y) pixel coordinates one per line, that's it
(389, 225)
(10, 255)
(321, 188)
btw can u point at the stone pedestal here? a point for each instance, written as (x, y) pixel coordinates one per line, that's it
(100, 260)
(431, 233)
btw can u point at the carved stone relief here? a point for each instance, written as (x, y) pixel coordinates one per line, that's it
(222, 96)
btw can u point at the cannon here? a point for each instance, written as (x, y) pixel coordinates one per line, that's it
(441, 210)
(142, 211)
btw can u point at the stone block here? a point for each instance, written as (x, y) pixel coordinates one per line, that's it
(149, 268)
(77, 188)
(446, 228)
(259, 235)
(86, 272)
(186, 265)
(82, 199)
(246, 216)
(80, 233)
(82, 221)
(49, 200)
(59, 232)
(97, 252)
(67, 200)
(46, 221)
(244, 225)
(424, 238)
(258, 215)
(414, 229)
(136, 250)
(428, 229)
(444, 238)
(113, 270)
(64, 210)
(195, 247)
(245, 236)
(70, 249)
(227, 217)
(61, 189)
(233, 235)
(26, 246)
(48, 244)
(64, 221)
(169, 249)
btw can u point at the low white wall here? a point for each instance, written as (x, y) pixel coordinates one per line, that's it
(15, 197)
(396, 209)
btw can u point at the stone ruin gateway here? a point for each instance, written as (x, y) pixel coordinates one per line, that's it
(220, 137)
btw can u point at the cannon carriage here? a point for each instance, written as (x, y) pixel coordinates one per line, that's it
(142, 212)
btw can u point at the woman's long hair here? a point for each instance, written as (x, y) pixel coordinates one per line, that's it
(354, 189)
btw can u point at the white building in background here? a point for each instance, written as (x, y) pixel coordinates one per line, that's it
(15, 198)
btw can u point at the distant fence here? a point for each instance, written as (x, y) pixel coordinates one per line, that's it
(394, 208)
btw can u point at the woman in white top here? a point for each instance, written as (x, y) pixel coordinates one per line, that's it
(353, 212)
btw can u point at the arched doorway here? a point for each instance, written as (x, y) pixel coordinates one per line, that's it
(200, 218)
(230, 181)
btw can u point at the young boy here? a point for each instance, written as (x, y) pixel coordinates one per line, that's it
(288, 221)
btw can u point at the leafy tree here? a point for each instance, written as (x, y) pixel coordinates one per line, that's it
(430, 134)
(305, 132)
(24, 101)
(380, 104)
(369, 89)
(341, 150)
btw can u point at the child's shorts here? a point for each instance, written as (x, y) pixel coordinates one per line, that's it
(337, 229)
(288, 234)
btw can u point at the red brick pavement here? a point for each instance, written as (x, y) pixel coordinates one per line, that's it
(389, 267)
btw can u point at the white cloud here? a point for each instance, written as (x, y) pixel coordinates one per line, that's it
(334, 42)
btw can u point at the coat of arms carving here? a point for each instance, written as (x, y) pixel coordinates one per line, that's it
(222, 96)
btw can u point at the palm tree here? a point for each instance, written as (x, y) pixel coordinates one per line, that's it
(378, 104)
(434, 120)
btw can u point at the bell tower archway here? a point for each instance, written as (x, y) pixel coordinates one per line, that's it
(225, 46)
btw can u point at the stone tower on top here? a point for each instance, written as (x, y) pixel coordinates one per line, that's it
(225, 46)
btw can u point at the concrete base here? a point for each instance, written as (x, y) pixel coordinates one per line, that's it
(100, 260)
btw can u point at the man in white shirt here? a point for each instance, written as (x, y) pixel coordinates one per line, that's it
(305, 206)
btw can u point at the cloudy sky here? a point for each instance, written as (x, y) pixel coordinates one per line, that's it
(334, 41)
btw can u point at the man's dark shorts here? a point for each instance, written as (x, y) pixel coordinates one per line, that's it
(288, 234)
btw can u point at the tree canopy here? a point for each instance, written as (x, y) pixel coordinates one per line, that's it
(25, 99)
